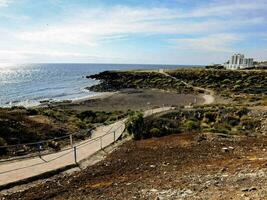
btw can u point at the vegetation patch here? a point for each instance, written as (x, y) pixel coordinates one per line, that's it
(247, 85)
(19, 125)
(225, 120)
(117, 80)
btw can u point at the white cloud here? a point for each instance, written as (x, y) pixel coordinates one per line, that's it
(223, 8)
(88, 30)
(210, 43)
(25, 54)
(90, 27)
(4, 2)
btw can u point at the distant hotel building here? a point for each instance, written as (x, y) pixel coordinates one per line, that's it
(238, 61)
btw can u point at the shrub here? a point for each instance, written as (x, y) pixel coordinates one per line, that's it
(2, 143)
(81, 124)
(222, 130)
(249, 123)
(226, 81)
(231, 120)
(154, 132)
(191, 125)
(56, 114)
(86, 114)
(237, 87)
(135, 125)
(242, 111)
(32, 111)
(210, 116)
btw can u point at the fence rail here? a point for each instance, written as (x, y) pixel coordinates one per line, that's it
(41, 162)
(79, 151)
(34, 150)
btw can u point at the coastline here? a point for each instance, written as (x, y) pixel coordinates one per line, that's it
(45, 102)
(100, 95)
(27, 84)
(80, 100)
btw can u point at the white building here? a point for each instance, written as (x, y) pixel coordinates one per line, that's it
(238, 61)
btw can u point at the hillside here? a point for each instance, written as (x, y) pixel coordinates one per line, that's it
(181, 166)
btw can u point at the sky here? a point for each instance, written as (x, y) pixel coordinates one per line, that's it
(195, 32)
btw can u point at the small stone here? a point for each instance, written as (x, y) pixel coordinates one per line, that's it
(251, 189)
(231, 148)
(225, 149)
(223, 169)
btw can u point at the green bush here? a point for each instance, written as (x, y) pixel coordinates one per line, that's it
(2, 143)
(222, 130)
(191, 125)
(154, 132)
(249, 123)
(238, 82)
(56, 114)
(32, 111)
(210, 116)
(81, 124)
(231, 120)
(237, 87)
(135, 125)
(226, 81)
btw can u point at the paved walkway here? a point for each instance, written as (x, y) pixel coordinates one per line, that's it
(102, 137)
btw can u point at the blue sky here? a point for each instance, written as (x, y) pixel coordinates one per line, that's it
(131, 31)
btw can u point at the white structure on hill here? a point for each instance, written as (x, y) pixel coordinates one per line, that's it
(238, 61)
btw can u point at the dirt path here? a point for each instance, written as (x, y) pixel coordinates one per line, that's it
(208, 99)
(208, 96)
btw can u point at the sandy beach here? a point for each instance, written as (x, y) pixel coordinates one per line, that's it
(131, 99)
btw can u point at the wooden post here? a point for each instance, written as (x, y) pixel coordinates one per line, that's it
(40, 149)
(114, 136)
(75, 154)
(71, 142)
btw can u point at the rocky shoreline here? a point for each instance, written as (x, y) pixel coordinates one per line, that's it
(117, 80)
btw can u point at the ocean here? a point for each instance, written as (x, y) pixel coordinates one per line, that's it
(28, 84)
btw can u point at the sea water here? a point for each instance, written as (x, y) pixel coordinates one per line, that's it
(30, 84)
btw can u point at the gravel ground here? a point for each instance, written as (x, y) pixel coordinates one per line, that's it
(135, 99)
(181, 166)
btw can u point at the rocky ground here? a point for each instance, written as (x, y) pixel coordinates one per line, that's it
(180, 166)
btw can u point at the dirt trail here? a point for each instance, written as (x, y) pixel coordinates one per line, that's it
(208, 96)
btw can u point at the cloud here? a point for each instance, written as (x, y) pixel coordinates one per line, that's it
(4, 3)
(25, 54)
(214, 27)
(225, 8)
(210, 43)
(92, 27)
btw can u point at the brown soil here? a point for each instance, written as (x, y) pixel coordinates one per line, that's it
(182, 166)
(135, 99)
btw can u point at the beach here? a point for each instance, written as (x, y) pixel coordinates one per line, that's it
(131, 99)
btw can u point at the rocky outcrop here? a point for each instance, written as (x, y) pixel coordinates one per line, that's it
(117, 80)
